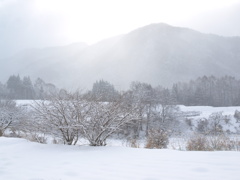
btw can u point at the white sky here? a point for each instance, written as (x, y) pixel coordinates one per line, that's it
(93, 20)
(41, 23)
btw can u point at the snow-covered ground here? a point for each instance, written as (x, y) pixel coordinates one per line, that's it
(24, 160)
(205, 111)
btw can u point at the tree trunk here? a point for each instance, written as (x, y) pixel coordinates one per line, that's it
(147, 125)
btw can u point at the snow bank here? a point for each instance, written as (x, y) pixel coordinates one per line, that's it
(23, 160)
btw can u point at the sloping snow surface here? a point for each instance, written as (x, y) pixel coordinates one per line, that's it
(24, 160)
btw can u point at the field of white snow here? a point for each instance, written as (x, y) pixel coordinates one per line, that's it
(21, 159)
(24, 160)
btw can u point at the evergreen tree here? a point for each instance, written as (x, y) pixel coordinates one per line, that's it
(104, 91)
(14, 85)
(28, 91)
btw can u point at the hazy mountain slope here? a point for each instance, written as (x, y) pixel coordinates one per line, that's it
(157, 54)
(161, 54)
(47, 63)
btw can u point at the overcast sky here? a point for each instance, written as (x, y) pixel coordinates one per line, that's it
(42, 23)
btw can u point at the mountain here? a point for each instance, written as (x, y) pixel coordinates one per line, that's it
(47, 63)
(159, 54)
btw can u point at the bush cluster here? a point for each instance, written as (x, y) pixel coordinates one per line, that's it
(212, 143)
(157, 139)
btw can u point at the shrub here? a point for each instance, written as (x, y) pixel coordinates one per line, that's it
(215, 123)
(157, 139)
(133, 143)
(35, 137)
(227, 119)
(189, 122)
(212, 143)
(202, 126)
(235, 144)
(220, 143)
(237, 116)
(198, 143)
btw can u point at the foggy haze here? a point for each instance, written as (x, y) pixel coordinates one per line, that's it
(43, 23)
(74, 43)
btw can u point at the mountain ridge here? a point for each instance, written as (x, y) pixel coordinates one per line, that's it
(158, 54)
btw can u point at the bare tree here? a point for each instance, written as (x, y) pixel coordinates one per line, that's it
(9, 114)
(216, 121)
(106, 119)
(143, 94)
(168, 111)
(61, 115)
(69, 115)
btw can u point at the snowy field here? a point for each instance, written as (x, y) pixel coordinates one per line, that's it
(21, 159)
(24, 160)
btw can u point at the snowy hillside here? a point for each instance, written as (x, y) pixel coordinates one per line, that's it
(23, 160)
(206, 111)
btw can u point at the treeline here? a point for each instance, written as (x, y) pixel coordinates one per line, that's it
(23, 88)
(208, 91)
(203, 91)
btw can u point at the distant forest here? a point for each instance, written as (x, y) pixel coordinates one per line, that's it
(208, 91)
(22, 88)
(203, 91)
